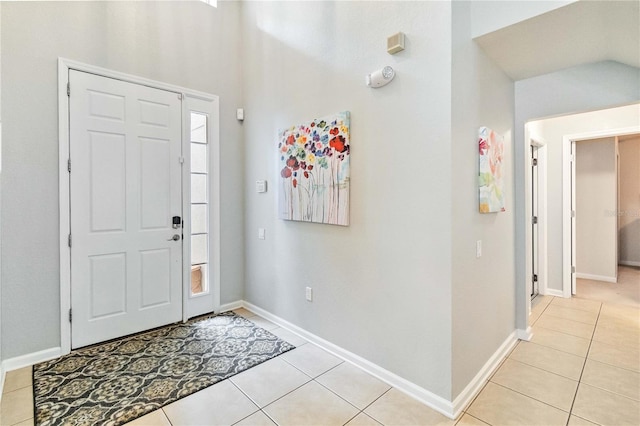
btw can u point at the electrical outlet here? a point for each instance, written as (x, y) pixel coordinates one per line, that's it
(261, 233)
(478, 248)
(309, 294)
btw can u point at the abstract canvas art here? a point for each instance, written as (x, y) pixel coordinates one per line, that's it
(491, 150)
(314, 170)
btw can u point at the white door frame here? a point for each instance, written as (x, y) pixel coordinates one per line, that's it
(64, 65)
(567, 193)
(541, 144)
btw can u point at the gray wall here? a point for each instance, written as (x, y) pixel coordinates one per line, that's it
(187, 44)
(596, 203)
(583, 88)
(483, 288)
(629, 214)
(388, 274)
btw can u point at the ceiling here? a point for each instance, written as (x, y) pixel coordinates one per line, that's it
(576, 34)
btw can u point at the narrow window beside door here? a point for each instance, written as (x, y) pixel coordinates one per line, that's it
(199, 205)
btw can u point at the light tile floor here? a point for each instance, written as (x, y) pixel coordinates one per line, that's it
(582, 367)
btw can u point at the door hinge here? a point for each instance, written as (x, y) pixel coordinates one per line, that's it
(180, 96)
(535, 278)
(573, 269)
(69, 165)
(68, 89)
(573, 213)
(535, 162)
(534, 220)
(70, 315)
(181, 160)
(69, 240)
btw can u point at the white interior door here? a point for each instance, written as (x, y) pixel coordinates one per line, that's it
(125, 187)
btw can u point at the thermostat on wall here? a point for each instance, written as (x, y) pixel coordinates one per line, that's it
(261, 186)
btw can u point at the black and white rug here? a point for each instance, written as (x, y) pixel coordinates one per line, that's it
(118, 381)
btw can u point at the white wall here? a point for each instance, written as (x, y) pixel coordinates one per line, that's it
(483, 288)
(583, 88)
(184, 43)
(382, 285)
(596, 204)
(553, 130)
(629, 214)
(489, 16)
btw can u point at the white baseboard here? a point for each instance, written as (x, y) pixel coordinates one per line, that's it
(428, 398)
(442, 405)
(553, 292)
(231, 306)
(525, 335)
(629, 263)
(596, 277)
(30, 359)
(476, 384)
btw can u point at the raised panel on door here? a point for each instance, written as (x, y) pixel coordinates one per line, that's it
(107, 181)
(125, 186)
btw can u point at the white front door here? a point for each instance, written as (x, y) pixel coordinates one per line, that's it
(125, 187)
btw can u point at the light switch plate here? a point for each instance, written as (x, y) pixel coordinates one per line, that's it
(261, 233)
(261, 186)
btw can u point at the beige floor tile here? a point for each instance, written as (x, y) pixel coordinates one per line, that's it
(630, 315)
(613, 379)
(498, 405)
(312, 360)
(618, 322)
(362, 420)
(578, 421)
(615, 355)
(577, 303)
(538, 384)
(617, 335)
(17, 379)
(244, 312)
(467, 420)
(541, 300)
(263, 323)
(311, 404)
(256, 419)
(605, 408)
(269, 381)
(534, 317)
(155, 418)
(353, 384)
(221, 403)
(586, 317)
(288, 336)
(16, 406)
(560, 341)
(29, 422)
(549, 359)
(396, 408)
(567, 326)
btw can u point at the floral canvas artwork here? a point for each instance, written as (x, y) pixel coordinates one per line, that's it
(314, 170)
(491, 149)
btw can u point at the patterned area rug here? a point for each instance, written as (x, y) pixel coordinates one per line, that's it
(115, 382)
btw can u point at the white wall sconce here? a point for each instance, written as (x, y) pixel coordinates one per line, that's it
(381, 77)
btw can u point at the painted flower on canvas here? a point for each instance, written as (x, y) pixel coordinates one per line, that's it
(314, 170)
(491, 150)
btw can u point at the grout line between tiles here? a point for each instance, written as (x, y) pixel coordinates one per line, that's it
(575, 396)
(530, 397)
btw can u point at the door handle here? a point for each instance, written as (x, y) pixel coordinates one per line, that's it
(176, 237)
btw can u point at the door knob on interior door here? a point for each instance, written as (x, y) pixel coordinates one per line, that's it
(176, 237)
